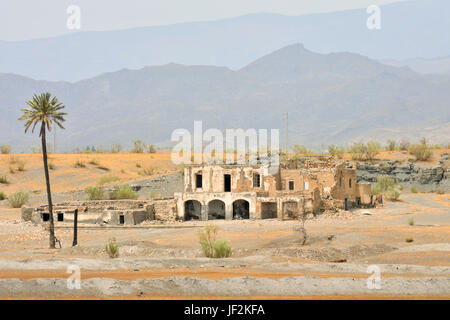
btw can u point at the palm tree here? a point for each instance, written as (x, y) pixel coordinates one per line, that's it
(44, 110)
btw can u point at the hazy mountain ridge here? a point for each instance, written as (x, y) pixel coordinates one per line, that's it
(332, 98)
(409, 29)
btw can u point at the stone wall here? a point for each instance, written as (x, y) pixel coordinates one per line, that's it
(425, 177)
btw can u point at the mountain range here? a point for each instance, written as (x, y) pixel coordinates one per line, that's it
(409, 29)
(330, 98)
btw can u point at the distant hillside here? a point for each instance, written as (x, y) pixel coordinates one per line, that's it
(438, 66)
(415, 28)
(331, 98)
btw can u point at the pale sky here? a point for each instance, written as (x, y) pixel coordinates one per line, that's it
(31, 19)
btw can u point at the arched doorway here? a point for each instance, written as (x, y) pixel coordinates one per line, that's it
(192, 210)
(216, 210)
(241, 209)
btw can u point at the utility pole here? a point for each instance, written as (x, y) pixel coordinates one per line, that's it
(287, 134)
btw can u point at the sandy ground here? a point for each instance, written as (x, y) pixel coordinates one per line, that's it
(268, 262)
(65, 176)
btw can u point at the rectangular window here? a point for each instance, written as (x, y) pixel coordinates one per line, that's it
(349, 183)
(227, 182)
(256, 180)
(291, 185)
(306, 185)
(198, 181)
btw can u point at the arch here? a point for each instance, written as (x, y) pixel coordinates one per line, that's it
(241, 209)
(192, 210)
(216, 209)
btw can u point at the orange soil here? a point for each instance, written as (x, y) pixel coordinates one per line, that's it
(206, 273)
(66, 177)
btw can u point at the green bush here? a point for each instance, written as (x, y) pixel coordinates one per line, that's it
(4, 149)
(147, 171)
(139, 147)
(18, 199)
(336, 151)
(409, 240)
(112, 248)
(211, 247)
(357, 150)
(79, 164)
(123, 192)
(440, 191)
(411, 221)
(299, 149)
(393, 194)
(372, 149)
(151, 149)
(222, 248)
(51, 166)
(403, 145)
(386, 186)
(391, 145)
(117, 148)
(2, 196)
(20, 165)
(421, 152)
(108, 178)
(3, 179)
(94, 193)
(413, 190)
(94, 162)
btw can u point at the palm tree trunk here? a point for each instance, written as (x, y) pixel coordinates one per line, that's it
(75, 228)
(49, 194)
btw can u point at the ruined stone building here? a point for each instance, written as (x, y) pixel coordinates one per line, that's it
(228, 191)
(233, 191)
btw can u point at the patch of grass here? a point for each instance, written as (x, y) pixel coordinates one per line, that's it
(4, 180)
(79, 164)
(12, 170)
(411, 221)
(5, 149)
(107, 179)
(122, 170)
(18, 199)
(138, 165)
(20, 165)
(94, 162)
(51, 166)
(2, 196)
(112, 248)
(123, 192)
(147, 171)
(387, 187)
(94, 193)
(409, 240)
(440, 191)
(222, 248)
(413, 190)
(421, 151)
(211, 247)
